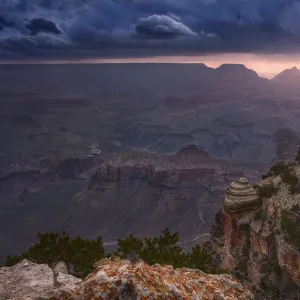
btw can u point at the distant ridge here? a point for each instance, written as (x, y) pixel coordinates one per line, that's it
(236, 70)
(288, 76)
(192, 149)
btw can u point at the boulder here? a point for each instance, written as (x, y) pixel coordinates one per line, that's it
(27, 280)
(60, 268)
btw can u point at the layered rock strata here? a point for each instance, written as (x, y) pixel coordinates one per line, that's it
(240, 196)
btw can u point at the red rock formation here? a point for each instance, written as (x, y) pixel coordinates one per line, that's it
(251, 244)
(288, 258)
(229, 245)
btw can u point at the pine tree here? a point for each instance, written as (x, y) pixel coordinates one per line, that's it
(52, 247)
(81, 254)
(199, 258)
(129, 248)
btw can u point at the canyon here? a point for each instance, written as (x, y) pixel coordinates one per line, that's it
(133, 192)
(249, 239)
(116, 158)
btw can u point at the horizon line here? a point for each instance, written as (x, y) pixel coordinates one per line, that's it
(81, 62)
(89, 62)
(265, 66)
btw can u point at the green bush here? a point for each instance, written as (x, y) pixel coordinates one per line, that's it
(290, 178)
(258, 215)
(286, 173)
(199, 258)
(292, 189)
(164, 250)
(276, 170)
(267, 190)
(81, 254)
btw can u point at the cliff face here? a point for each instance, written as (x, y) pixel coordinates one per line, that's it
(251, 243)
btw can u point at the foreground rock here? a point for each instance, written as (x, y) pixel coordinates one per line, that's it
(119, 279)
(28, 280)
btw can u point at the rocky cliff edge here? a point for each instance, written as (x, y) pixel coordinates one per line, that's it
(118, 279)
(259, 243)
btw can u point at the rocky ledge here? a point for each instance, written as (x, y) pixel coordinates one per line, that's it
(118, 279)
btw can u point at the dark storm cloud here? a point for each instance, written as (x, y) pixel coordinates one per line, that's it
(40, 25)
(97, 27)
(5, 23)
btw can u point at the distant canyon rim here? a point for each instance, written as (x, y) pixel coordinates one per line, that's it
(266, 65)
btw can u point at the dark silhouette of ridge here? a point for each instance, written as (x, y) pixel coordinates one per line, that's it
(288, 76)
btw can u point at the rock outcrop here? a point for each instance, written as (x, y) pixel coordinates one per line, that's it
(27, 280)
(249, 240)
(61, 268)
(119, 279)
(240, 196)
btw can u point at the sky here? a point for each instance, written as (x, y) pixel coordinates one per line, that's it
(142, 29)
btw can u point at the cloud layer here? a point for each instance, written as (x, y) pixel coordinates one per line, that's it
(83, 28)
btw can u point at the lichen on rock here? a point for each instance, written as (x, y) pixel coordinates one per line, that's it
(121, 279)
(118, 279)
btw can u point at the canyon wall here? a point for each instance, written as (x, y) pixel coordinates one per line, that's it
(250, 242)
